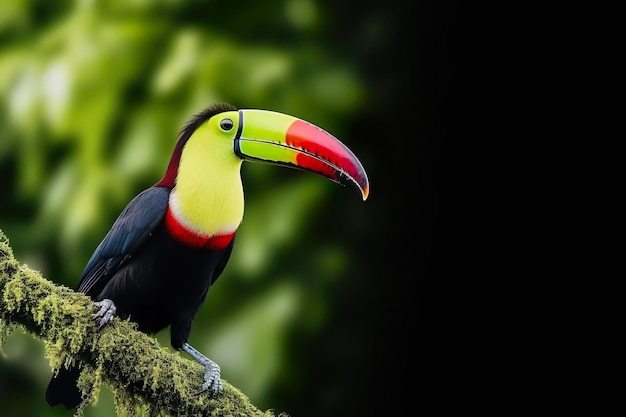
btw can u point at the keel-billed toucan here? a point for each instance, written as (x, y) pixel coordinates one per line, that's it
(173, 240)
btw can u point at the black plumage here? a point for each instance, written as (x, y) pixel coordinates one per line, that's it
(152, 278)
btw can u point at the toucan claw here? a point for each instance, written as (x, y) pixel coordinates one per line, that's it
(211, 371)
(106, 312)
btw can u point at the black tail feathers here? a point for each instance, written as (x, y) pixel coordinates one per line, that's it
(62, 388)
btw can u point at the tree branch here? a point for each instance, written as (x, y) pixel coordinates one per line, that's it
(143, 375)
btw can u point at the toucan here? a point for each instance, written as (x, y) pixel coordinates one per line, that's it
(172, 241)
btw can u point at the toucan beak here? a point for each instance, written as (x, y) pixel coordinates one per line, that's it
(277, 138)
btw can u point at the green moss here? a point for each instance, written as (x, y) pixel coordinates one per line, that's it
(5, 331)
(6, 269)
(147, 379)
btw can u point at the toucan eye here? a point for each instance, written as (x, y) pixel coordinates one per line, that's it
(226, 124)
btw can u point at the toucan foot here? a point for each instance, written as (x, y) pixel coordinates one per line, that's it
(212, 371)
(106, 312)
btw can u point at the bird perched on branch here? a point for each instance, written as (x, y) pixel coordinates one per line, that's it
(173, 240)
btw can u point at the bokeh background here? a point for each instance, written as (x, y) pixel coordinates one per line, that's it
(316, 312)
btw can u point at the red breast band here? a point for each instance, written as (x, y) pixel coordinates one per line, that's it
(190, 238)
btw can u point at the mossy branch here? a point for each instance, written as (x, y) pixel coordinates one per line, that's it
(145, 377)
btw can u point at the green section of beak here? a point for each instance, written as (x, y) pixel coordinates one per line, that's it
(281, 139)
(264, 137)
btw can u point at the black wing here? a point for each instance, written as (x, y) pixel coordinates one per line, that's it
(129, 232)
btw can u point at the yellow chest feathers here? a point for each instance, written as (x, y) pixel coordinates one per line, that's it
(208, 196)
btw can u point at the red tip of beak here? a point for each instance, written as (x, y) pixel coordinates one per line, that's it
(326, 155)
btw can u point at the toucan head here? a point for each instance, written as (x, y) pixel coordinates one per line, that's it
(275, 138)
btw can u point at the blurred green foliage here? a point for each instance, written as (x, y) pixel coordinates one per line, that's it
(92, 95)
